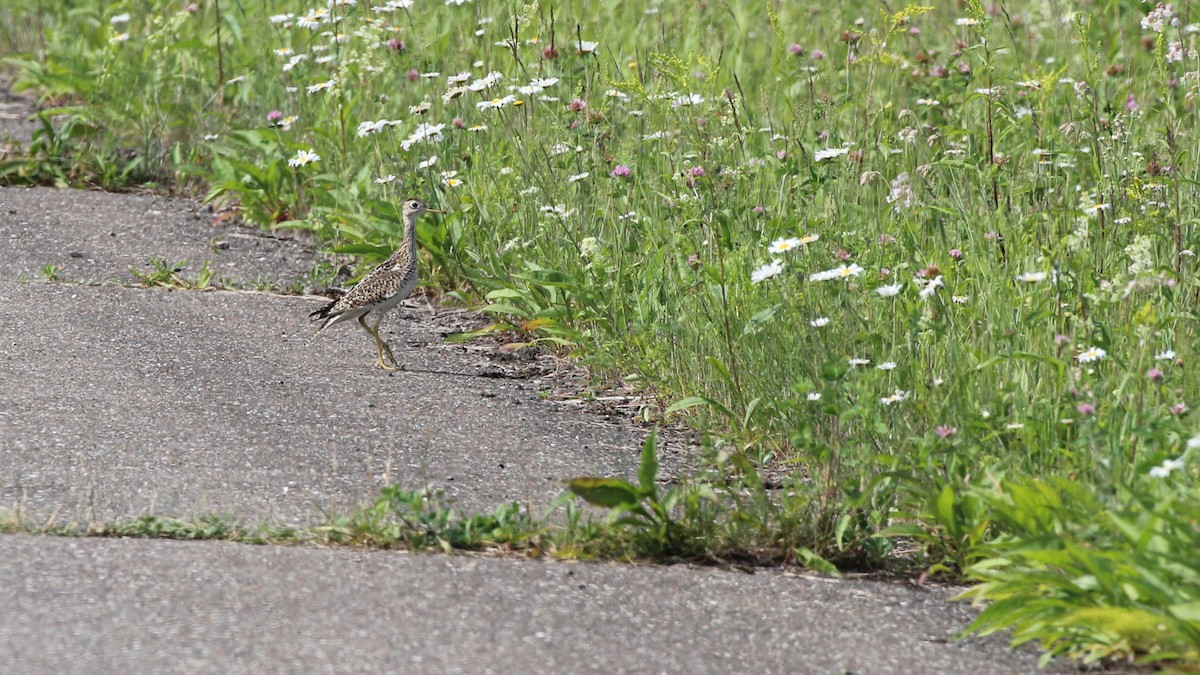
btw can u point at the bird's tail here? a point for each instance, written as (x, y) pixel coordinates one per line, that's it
(325, 316)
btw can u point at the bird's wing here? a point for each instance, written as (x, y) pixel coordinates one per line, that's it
(380, 284)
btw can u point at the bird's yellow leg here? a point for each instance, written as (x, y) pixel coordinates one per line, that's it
(387, 348)
(380, 345)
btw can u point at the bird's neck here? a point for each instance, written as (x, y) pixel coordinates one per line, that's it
(409, 243)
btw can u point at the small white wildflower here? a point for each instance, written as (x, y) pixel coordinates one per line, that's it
(1165, 469)
(1165, 355)
(931, 286)
(578, 177)
(368, 128)
(819, 322)
(321, 86)
(384, 180)
(814, 396)
(829, 153)
(889, 291)
(784, 245)
(843, 272)
(858, 362)
(428, 163)
(768, 271)
(1091, 355)
(304, 157)
(887, 365)
(902, 196)
(1031, 277)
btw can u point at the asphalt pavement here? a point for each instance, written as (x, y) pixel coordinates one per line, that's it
(86, 605)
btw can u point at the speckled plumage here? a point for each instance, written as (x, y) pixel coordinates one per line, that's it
(383, 288)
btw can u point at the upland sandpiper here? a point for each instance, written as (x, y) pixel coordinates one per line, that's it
(382, 289)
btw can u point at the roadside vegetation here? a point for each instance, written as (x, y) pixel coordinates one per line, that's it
(933, 265)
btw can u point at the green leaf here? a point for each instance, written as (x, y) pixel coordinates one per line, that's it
(759, 320)
(505, 293)
(839, 531)
(903, 530)
(611, 493)
(689, 402)
(496, 308)
(744, 466)
(693, 401)
(944, 508)
(469, 335)
(816, 563)
(648, 471)
(1187, 611)
(363, 249)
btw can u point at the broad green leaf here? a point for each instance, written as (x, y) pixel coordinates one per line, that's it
(607, 492)
(903, 530)
(648, 471)
(693, 401)
(1187, 611)
(816, 563)
(760, 319)
(944, 508)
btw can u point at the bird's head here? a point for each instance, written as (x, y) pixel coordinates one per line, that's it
(414, 207)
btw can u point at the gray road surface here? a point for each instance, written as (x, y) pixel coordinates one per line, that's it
(85, 605)
(96, 237)
(123, 401)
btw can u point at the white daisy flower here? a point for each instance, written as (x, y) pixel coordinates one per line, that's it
(304, 157)
(768, 271)
(829, 153)
(783, 245)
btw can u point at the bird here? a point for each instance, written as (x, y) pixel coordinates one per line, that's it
(382, 288)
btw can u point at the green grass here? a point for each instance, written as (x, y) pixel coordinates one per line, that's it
(1010, 194)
